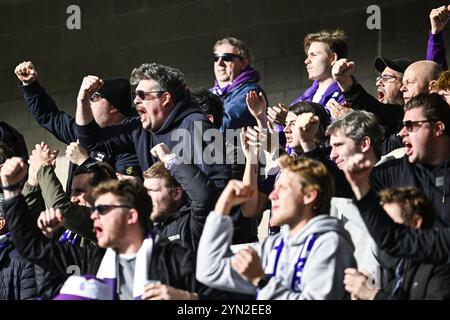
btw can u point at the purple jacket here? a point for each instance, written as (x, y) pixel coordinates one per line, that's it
(436, 49)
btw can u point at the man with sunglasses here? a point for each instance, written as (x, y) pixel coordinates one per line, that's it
(129, 252)
(235, 77)
(425, 134)
(167, 114)
(110, 105)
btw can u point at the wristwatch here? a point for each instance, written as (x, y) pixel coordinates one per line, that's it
(263, 281)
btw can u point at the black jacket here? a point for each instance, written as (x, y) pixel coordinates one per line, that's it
(170, 263)
(44, 109)
(182, 132)
(418, 281)
(185, 226)
(389, 115)
(16, 276)
(14, 139)
(432, 245)
(433, 180)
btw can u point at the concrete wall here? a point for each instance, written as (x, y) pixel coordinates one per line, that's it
(117, 35)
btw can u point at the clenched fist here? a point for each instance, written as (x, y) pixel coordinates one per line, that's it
(76, 154)
(439, 18)
(89, 85)
(26, 72)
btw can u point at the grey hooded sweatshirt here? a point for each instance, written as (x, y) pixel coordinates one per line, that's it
(321, 278)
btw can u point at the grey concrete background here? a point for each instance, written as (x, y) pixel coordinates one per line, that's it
(117, 35)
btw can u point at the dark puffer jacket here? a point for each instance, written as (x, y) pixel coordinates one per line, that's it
(16, 276)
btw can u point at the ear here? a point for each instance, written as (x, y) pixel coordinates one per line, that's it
(210, 118)
(178, 193)
(439, 128)
(167, 99)
(333, 57)
(2, 223)
(366, 143)
(431, 85)
(417, 222)
(133, 216)
(114, 110)
(245, 63)
(310, 197)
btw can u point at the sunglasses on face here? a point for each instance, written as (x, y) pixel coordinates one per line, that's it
(141, 94)
(226, 57)
(95, 97)
(103, 209)
(413, 126)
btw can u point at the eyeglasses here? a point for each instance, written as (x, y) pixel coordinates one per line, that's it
(95, 97)
(388, 78)
(413, 126)
(226, 57)
(103, 209)
(141, 94)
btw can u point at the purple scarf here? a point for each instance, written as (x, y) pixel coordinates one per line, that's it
(4, 240)
(332, 91)
(248, 75)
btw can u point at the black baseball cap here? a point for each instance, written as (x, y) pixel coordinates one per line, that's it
(399, 65)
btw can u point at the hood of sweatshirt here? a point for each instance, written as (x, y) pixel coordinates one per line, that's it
(319, 224)
(183, 108)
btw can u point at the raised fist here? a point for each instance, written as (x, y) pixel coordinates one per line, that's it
(26, 73)
(439, 18)
(89, 85)
(50, 221)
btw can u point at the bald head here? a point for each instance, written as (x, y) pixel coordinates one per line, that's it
(417, 78)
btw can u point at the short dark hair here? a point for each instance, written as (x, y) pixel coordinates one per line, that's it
(210, 104)
(167, 78)
(6, 152)
(412, 202)
(336, 41)
(434, 106)
(130, 193)
(98, 172)
(359, 124)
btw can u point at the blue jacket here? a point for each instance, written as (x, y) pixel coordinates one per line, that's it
(236, 114)
(16, 276)
(186, 123)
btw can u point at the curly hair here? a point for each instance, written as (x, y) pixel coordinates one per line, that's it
(167, 78)
(413, 202)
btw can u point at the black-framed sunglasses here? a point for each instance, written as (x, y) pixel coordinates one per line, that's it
(103, 209)
(413, 126)
(226, 57)
(141, 94)
(96, 96)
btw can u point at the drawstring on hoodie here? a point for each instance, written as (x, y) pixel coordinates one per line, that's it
(445, 184)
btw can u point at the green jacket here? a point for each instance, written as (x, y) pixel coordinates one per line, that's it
(76, 217)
